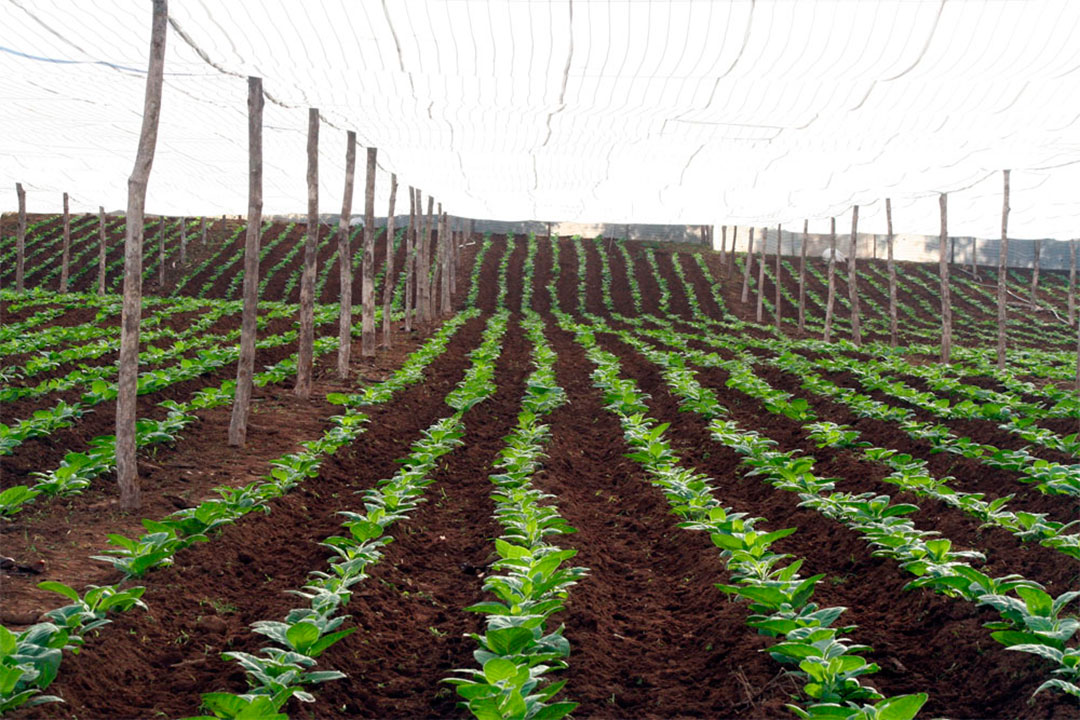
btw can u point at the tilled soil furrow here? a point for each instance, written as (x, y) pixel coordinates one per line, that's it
(162, 659)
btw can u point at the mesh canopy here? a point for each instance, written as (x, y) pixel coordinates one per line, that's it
(682, 111)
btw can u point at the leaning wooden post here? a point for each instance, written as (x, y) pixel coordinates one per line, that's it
(183, 241)
(1072, 282)
(245, 366)
(746, 270)
(831, 301)
(128, 375)
(101, 250)
(853, 289)
(893, 323)
(367, 289)
(161, 254)
(943, 265)
(1035, 276)
(306, 351)
(388, 274)
(65, 257)
(802, 276)
(410, 262)
(779, 314)
(20, 241)
(761, 272)
(345, 260)
(1003, 254)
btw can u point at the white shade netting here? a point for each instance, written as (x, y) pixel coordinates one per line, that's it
(688, 111)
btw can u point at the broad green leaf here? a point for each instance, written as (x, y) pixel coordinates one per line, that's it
(499, 669)
(901, 707)
(58, 587)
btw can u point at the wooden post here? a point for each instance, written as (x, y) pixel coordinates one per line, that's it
(853, 288)
(423, 267)
(761, 272)
(472, 229)
(20, 241)
(306, 350)
(245, 366)
(127, 377)
(202, 239)
(183, 241)
(723, 240)
(345, 260)
(802, 275)
(367, 289)
(975, 257)
(436, 261)
(893, 323)
(1072, 282)
(161, 254)
(101, 250)
(746, 270)
(946, 305)
(1035, 276)
(1003, 254)
(731, 251)
(388, 275)
(444, 273)
(455, 249)
(410, 261)
(224, 229)
(65, 257)
(779, 314)
(830, 303)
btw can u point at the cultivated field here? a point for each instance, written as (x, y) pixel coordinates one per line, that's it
(598, 471)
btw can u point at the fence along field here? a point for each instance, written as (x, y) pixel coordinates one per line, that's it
(596, 486)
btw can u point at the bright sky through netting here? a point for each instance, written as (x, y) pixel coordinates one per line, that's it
(669, 111)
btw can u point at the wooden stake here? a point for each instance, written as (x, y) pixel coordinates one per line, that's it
(306, 350)
(893, 322)
(161, 254)
(1003, 254)
(830, 303)
(723, 240)
(367, 289)
(1035, 276)
(101, 250)
(202, 239)
(410, 260)
(423, 267)
(65, 257)
(388, 274)
(761, 273)
(345, 260)
(975, 258)
(802, 276)
(183, 241)
(444, 285)
(20, 241)
(779, 314)
(746, 269)
(245, 366)
(1072, 282)
(853, 288)
(127, 377)
(946, 305)
(731, 251)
